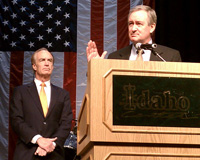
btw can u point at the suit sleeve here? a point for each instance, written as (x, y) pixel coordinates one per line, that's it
(20, 127)
(64, 128)
(177, 57)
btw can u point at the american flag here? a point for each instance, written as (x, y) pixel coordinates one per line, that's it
(64, 27)
(29, 25)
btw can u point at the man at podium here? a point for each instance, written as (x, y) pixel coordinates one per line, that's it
(141, 25)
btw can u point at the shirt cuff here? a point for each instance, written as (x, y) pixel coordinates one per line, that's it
(35, 138)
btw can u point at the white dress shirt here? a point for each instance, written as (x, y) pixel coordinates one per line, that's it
(47, 90)
(146, 55)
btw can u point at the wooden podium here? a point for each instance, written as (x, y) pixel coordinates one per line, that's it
(169, 131)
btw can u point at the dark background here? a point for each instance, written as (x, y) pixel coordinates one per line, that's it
(178, 27)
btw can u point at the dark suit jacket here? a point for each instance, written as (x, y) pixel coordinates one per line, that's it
(169, 54)
(27, 120)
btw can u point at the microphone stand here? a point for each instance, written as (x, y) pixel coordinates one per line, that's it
(157, 54)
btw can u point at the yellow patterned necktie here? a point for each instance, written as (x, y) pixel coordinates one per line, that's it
(139, 56)
(43, 99)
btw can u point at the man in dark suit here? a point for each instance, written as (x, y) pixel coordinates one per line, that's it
(41, 129)
(141, 25)
(168, 54)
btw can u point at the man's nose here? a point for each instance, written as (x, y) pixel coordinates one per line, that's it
(134, 27)
(46, 62)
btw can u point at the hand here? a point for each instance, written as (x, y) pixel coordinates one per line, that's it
(40, 152)
(46, 144)
(92, 51)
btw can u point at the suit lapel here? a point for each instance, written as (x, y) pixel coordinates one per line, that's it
(125, 52)
(154, 57)
(35, 97)
(54, 96)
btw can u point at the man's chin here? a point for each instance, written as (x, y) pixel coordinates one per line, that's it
(134, 40)
(46, 75)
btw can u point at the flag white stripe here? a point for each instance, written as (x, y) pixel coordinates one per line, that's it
(110, 26)
(83, 36)
(4, 102)
(135, 3)
(28, 73)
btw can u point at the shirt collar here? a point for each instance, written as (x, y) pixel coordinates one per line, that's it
(38, 82)
(134, 50)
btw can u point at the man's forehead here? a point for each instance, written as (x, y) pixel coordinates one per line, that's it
(44, 54)
(138, 14)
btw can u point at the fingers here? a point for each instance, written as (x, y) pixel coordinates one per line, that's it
(92, 44)
(53, 139)
(46, 144)
(88, 50)
(91, 50)
(104, 54)
(88, 53)
(91, 47)
(40, 152)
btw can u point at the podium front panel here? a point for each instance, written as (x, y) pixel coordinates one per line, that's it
(156, 101)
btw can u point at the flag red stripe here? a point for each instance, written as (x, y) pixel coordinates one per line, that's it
(123, 7)
(97, 18)
(16, 79)
(70, 78)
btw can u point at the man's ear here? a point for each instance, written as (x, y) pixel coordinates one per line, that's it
(34, 67)
(153, 27)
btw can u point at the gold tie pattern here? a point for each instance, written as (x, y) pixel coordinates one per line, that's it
(43, 99)
(139, 56)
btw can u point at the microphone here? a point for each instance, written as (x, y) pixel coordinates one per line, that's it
(149, 47)
(145, 46)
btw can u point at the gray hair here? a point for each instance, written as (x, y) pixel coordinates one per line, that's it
(41, 49)
(152, 17)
